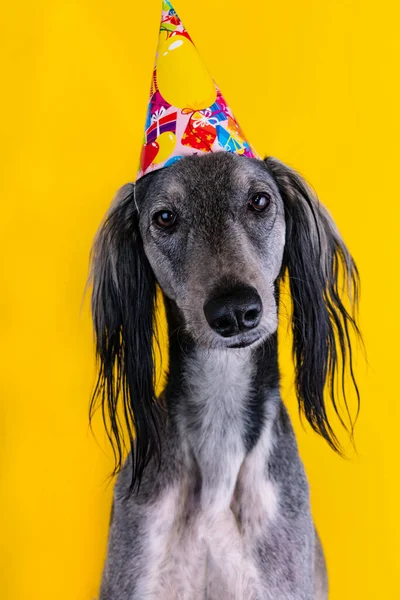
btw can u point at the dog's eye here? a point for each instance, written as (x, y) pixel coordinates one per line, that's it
(259, 202)
(165, 218)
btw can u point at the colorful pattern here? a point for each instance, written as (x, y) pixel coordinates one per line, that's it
(187, 113)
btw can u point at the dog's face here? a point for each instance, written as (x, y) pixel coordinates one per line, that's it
(213, 230)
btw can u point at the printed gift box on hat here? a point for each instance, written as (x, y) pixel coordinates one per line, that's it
(161, 124)
(220, 109)
(230, 136)
(200, 132)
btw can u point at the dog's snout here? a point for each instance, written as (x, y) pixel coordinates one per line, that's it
(235, 311)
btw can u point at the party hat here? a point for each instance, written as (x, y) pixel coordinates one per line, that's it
(187, 114)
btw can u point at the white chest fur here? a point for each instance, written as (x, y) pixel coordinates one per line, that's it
(213, 420)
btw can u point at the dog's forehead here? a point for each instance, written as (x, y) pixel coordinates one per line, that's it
(212, 176)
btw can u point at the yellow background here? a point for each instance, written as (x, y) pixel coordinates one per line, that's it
(312, 83)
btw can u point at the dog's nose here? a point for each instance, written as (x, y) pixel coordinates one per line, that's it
(235, 311)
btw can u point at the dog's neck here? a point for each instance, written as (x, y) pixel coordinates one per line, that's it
(218, 402)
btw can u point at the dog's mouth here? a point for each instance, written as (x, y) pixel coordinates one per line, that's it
(244, 341)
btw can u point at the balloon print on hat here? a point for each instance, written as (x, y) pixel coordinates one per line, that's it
(182, 77)
(149, 153)
(166, 143)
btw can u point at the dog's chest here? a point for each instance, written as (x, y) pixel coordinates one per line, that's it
(202, 531)
(208, 559)
(205, 550)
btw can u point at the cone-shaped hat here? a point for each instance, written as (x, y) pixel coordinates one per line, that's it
(187, 114)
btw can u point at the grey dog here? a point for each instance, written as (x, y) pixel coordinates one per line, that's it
(213, 501)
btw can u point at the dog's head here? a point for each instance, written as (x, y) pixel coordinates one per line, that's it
(218, 233)
(213, 230)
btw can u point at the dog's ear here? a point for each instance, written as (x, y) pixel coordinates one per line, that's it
(123, 301)
(321, 273)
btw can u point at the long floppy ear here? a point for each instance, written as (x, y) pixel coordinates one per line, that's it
(123, 299)
(321, 273)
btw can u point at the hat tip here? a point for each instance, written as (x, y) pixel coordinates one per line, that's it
(187, 114)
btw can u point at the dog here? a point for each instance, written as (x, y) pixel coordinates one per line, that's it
(213, 501)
